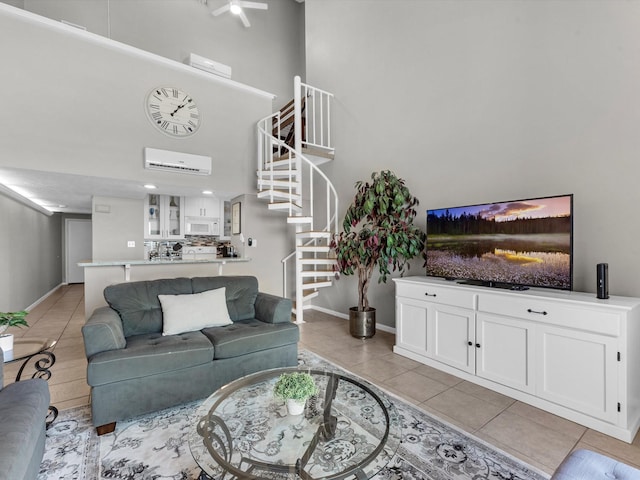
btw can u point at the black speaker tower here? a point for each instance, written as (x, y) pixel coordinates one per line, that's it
(602, 275)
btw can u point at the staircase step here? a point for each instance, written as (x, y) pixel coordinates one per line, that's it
(266, 174)
(311, 295)
(299, 219)
(316, 284)
(318, 261)
(284, 206)
(313, 234)
(277, 183)
(317, 273)
(314, 248)
(280, 194)
(282, 161)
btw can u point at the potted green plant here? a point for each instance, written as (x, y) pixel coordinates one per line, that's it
(295, 388)
(10, 319)
(378, 233)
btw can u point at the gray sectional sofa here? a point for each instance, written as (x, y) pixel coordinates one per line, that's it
(23, 411)
(134, 369)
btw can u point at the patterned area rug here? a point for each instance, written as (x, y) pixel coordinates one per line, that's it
(155, 447)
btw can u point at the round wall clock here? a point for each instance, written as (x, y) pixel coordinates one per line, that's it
(173, 111)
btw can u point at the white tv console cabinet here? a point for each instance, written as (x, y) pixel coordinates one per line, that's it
(568, 353)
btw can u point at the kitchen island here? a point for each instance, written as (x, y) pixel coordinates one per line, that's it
(99, 274)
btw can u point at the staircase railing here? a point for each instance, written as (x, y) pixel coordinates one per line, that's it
(268, 147)
(313, 129)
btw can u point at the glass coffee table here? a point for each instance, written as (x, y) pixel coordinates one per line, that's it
(349, 430)
(39, 351)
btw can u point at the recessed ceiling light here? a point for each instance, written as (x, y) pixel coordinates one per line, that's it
(207, 192)
(149, 186)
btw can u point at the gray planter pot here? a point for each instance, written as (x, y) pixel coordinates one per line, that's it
(362, 324)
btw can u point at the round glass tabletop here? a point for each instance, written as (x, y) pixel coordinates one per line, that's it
(350, 429)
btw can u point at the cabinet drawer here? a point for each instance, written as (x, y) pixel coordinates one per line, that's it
(456, 297)
(552, 312)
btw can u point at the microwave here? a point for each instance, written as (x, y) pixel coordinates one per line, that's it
(202, 226)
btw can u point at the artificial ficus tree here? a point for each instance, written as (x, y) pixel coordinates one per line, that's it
(378, 232)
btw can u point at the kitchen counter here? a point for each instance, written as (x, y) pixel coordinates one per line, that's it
(111, 263)
(99, 274)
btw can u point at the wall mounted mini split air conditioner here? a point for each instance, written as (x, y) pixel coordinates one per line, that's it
(202, 63)
(155, 159)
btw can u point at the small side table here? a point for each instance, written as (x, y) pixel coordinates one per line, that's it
(36, 349)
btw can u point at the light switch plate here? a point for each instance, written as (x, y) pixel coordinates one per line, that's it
(131, 244)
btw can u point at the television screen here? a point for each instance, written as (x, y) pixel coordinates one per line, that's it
(516, 244)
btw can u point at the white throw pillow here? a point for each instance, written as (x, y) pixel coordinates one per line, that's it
(192, 312)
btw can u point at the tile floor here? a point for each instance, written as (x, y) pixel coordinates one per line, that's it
(537, 437)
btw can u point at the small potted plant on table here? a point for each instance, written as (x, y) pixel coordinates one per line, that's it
(295, 388)
(10, 319)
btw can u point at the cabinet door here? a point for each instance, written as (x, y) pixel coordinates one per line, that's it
(578, 370)
(505, 351)
(164, 218)
(208, 207)
(412, 330)
(453, 334)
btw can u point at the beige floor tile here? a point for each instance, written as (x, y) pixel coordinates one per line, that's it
(484, 394)
(415, 386)
(61, 392)
(548, 420)
(465, 408)
(439, 375)
(447, 419)
(629, 453)
(530, 438)
(378, 369)
(73, 402)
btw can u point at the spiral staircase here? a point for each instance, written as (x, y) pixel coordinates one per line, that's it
(291, 145)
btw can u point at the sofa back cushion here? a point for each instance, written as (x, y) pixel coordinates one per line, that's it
(241, 292)
(138, 305)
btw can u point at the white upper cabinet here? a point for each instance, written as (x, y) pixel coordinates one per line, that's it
(164, 217)
(208, 207)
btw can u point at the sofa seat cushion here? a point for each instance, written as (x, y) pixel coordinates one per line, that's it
(149, 354)
(23, 410)
(249, 336)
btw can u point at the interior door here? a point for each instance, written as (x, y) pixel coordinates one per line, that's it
(78, 247)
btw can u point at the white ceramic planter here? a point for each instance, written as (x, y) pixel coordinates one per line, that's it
(6, 342)
(295, 407)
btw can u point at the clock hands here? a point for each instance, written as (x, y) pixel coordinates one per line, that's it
(179, 107)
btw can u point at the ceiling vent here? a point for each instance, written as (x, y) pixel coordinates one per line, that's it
(177, 162)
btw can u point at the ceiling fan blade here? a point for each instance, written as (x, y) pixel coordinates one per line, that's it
(245, 20)
(221, 10)
(257, 5)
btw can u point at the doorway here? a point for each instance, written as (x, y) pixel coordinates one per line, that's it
(78, 247)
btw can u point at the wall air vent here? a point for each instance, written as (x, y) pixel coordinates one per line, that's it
(177, 162)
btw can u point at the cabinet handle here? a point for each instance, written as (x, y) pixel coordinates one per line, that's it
(470, 343)
(536, 312)
(427, 294)
(477, 345)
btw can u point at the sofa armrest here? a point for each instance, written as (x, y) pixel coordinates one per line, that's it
(273, 309)
(1, 368)
(103, 332)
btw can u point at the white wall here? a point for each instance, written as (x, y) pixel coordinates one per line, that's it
(480, 101)
(267, 55)
(32, 264)
(111, 230)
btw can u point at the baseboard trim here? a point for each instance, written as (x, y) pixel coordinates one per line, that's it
(43, 298)
(344, 316)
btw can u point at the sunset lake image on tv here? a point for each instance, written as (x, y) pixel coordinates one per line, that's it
(524, 242)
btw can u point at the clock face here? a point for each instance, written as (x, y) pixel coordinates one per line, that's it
(173, 111)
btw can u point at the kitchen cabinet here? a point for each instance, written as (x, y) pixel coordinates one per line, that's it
(565, 352)
(208, 207)
(164, 217)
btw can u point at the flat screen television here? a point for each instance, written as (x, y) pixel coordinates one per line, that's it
(514, 245)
